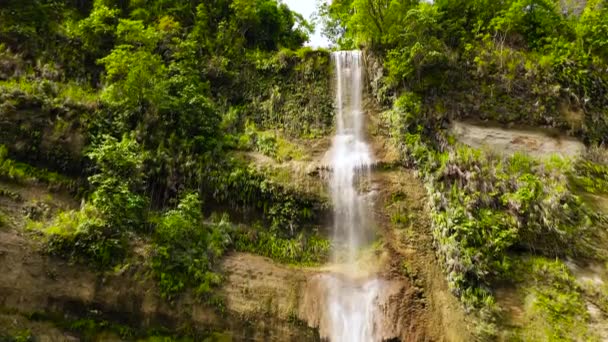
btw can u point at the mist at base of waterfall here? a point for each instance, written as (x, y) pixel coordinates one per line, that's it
(351, 308)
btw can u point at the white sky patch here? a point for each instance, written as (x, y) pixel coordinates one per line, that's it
(307, 8)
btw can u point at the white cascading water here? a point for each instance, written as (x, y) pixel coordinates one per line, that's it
(351, 302)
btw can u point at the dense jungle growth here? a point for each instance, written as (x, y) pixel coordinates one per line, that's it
(143, 109)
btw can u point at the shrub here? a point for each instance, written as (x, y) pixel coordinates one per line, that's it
(83, 235)
(120, 176)
(187, 249)
(591, 173)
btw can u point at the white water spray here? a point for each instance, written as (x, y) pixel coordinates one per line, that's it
(351, 303)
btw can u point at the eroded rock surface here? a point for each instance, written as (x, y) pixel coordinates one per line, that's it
(502, 140)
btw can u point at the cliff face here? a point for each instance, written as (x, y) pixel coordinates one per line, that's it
(398, 312)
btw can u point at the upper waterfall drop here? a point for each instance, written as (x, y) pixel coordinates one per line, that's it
(349, 90)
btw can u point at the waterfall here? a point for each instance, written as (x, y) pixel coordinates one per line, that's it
(351, 302)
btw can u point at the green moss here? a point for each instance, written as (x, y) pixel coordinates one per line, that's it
(272, 143)
(411, 273)
(96, 328)
(63, 92)
(18, 336)
(402, 219)
(555, 309)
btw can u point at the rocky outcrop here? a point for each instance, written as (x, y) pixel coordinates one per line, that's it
(375, 78)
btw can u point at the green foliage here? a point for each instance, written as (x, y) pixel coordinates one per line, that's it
(532, 62)
(267, 24)
(270, 143)
(96, 232)
(23, 173)
(187, 249)
(120, 165)
(83, 235)
(421, 57)
(406, 115)
(301, 250)
(42, 122)
(162, 72)
(19, 336)
(68, 93)
(484, 207)
(118, 159)
(96, 32)
(4, 220)
(290, 90)
(285, 210)
(535, 62)
(591, 173)
(366, 22)
(93, 326)
(138, 78)
(267, 144)
(89, 328)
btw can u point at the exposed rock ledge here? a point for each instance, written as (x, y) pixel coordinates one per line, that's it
(537, 143)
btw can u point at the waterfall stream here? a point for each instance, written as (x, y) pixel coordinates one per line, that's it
(351, 302)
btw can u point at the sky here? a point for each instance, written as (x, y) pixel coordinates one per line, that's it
(306, 8)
